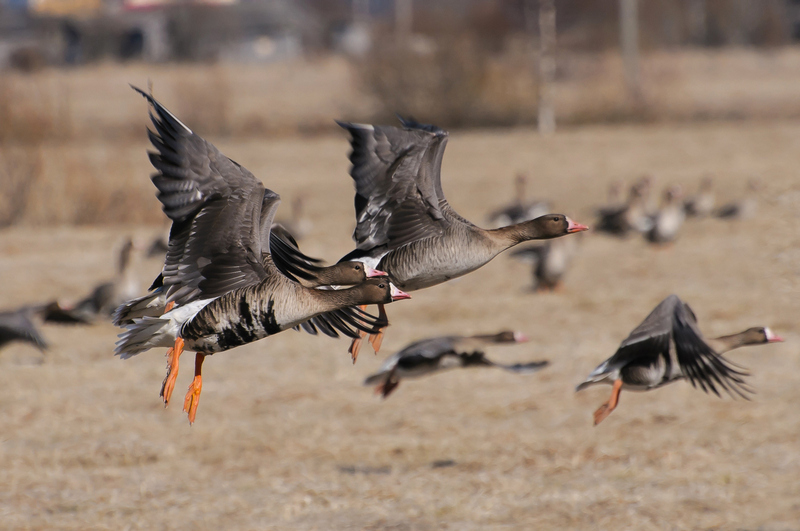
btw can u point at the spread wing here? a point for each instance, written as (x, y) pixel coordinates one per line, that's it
(288, 257)
(398, 187)
(220, 212)
(650, 339)
(699, 363)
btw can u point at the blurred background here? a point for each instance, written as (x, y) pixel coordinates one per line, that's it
(279, 67)
(625, 115)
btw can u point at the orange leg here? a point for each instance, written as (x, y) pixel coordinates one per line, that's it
(193, 394)
(377, 339)
(606, 409)
(170, 305)
(174, 355)
(355, 345)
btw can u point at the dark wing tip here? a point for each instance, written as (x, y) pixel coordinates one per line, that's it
(164, 114)
(411, 123)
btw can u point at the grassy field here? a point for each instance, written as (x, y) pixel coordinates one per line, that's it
(286, 436)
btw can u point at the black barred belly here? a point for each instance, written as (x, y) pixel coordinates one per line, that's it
(225, 324)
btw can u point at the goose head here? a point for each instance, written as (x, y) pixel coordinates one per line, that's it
(350, 273)
(509, 336)
(551, 226)
(759, 335)
(379, 291)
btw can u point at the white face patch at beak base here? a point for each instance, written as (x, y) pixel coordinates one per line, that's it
(372, 272)
(519, 337)
(397, 294)
(772, 337)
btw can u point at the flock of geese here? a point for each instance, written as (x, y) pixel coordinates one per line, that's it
(232, 276)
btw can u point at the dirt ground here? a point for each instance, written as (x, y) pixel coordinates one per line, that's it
(288, 438)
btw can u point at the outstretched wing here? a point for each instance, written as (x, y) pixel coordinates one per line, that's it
(699, 363)
(398, 187)
(288, 257)
(220, 212)
(648, 340)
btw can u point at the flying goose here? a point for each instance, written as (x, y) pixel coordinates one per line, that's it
(669, 219)
(226, 289)
(669, 346)
(518, 210)
(440, 353)
(404, 224)
(284, 252)
(17, 325)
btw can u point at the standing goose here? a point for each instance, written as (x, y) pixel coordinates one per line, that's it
(104, 298)
(619, 220)
(669, 219)
(743, 208)
(518, 210)
(225, 291)
(440, 353)
(404, 224)
(701, 204)
(550, 261)
(17, 325)
(668, 346)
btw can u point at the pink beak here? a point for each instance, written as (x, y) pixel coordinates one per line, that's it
(374, 272)
(519, 337)
(772, 337)
(398, 295)
(575, 227)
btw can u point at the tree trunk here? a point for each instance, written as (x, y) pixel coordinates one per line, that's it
(547, 66)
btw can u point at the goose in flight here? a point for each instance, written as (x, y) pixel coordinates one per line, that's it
(441, 353)
(669, 346)
(226, 289)
(17, 325)
(404, 224)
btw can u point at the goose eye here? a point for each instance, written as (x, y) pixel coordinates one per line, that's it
(381, 285)
(358, 268)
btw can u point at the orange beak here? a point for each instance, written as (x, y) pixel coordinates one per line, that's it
(374, 272)
(398, 295)
(575, 227)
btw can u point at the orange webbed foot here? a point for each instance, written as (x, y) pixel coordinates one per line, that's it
(355, 347)
(174, 355)
(377, 339)
(601, 413)
(192, 399)
(606, 409)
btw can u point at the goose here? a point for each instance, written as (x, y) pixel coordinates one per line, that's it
(518, 210)
(743, 208)
(701, 204)
(436, 354)
(104, 298)
(226, 289)
(620, 220)
(669, 346)
(17, 325)
(669, 219)
(404, 224)
(287, 257)
(550, 260)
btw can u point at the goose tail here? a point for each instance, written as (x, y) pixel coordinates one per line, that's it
(144, 334)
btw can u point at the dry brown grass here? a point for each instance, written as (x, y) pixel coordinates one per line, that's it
(83, 129)
(287, 438)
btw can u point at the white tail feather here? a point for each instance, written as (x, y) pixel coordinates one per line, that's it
(144, 334)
